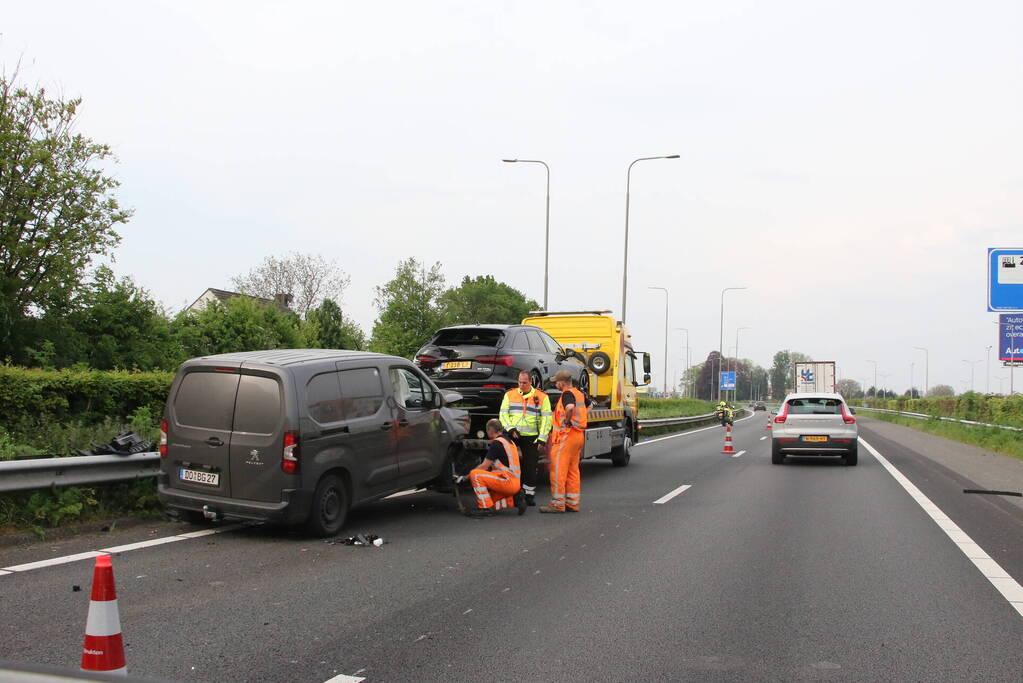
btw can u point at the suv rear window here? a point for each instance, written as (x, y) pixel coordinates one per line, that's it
(815, 406)
(206, 400)
(473, 336)
(258, 408)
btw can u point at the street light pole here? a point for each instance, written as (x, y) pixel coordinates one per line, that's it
(547, 225)
(665, 290)
(911, 381)
(972, 364)
(927, 369)
(987, 372)
(736, 368)
(1012, 355)
(721, 335)
(625, 268)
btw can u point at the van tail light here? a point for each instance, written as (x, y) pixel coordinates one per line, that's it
(289, 459)
(163, 438)
(780, 417)
(495, 360)
(846, 417)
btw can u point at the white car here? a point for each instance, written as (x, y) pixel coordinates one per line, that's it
(814, 424)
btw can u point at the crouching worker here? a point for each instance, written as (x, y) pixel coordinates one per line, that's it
(497, 481)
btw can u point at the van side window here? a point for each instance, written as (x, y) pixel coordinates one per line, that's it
(257, 410)
(362, 392)
(206, 400)
(410, 390)
(323, 397)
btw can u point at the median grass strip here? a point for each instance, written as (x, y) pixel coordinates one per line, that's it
(650, 408)
(1002, 441)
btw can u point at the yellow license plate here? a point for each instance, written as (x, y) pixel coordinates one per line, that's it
(815, 438)
(457, 365)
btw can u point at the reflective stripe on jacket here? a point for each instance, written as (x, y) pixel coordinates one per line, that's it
(528, 414)
(512, 451)
(578, 422)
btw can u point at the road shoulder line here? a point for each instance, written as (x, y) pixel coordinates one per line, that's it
(988, 567)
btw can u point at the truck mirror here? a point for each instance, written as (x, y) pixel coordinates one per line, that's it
(646, 366)
(646, 377)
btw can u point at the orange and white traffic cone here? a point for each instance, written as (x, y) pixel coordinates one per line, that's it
(728, 440)
(768, 423)
(103, 649)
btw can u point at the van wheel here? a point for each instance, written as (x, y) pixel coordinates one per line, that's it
(330, 507)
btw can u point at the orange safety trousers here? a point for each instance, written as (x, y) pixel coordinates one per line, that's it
(502, 484)
(565, 453)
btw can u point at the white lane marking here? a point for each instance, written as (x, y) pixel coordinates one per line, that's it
(53, 561)
(992, 571)
(738, 454)
(399, 494)
(345, 679)
(665, 498)
(762, 438)
(685, 433)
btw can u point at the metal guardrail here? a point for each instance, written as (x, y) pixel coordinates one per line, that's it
(924, 416)
(78, 470)
(674, 421)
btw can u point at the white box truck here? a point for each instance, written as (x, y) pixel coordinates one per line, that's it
(814, 376)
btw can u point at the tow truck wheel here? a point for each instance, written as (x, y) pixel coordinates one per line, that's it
(620, 455)
(600, 362)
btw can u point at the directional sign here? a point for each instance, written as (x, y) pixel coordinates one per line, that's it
(1010, 337)
(1005, 279)
(728, 380)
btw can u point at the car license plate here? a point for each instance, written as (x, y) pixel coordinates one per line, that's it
(199, 477)
(457, 365)
(815, 438)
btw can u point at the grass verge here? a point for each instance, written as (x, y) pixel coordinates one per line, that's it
(650, 408)
(1002, 441)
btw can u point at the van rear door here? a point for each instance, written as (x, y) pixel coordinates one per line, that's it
(257, 439)
(201, 412)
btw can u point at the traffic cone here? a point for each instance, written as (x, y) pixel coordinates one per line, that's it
(768, 423)
(728, 440)
(103, 649)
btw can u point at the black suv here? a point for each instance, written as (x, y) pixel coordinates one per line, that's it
(483, 361)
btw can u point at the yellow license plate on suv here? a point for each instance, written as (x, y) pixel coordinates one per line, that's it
(457, 365)
(815, 438)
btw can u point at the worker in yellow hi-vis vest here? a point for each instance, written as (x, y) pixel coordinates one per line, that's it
(526, 416)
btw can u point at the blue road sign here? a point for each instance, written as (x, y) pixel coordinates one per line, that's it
(1010, 337)
(1005, 279)
(728, 380)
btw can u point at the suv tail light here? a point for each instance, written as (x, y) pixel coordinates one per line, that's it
(780, 417)
(846, 417)
(495, 360)
(423, 359)
(289, 458)
(163, 438)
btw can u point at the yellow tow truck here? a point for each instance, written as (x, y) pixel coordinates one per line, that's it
(606, 346)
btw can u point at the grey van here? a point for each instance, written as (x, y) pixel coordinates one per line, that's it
(300, 436)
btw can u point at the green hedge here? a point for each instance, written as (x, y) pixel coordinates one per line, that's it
(30, 397)
(1000, 410)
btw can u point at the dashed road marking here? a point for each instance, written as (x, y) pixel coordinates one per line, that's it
(738, 454)
(992, 571)
(345, 679)
(65, 559)
(665, 498)
(762, 438)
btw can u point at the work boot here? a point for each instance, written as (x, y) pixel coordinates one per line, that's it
(530, 501)
(571, 509)
(480, 512)
(520, 503)
(547, 508)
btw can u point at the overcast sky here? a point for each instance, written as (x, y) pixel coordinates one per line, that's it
(848, 162)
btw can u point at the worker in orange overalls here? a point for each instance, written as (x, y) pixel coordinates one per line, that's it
(499, 474)
(566, 448)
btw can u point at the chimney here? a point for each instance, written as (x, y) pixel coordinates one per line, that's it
(283, 301)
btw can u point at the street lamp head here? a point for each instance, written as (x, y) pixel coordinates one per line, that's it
(672, 156)
(509, 161)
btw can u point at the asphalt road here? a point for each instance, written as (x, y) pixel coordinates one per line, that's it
(807, 571)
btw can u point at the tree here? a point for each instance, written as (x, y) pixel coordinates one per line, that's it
(781, 371)
(327, 327)
(849, 388)
(941, 390)
(57, 210)
(307, 278)
(485, 300)
(409, 306)
(706, 382)
(238, 324)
